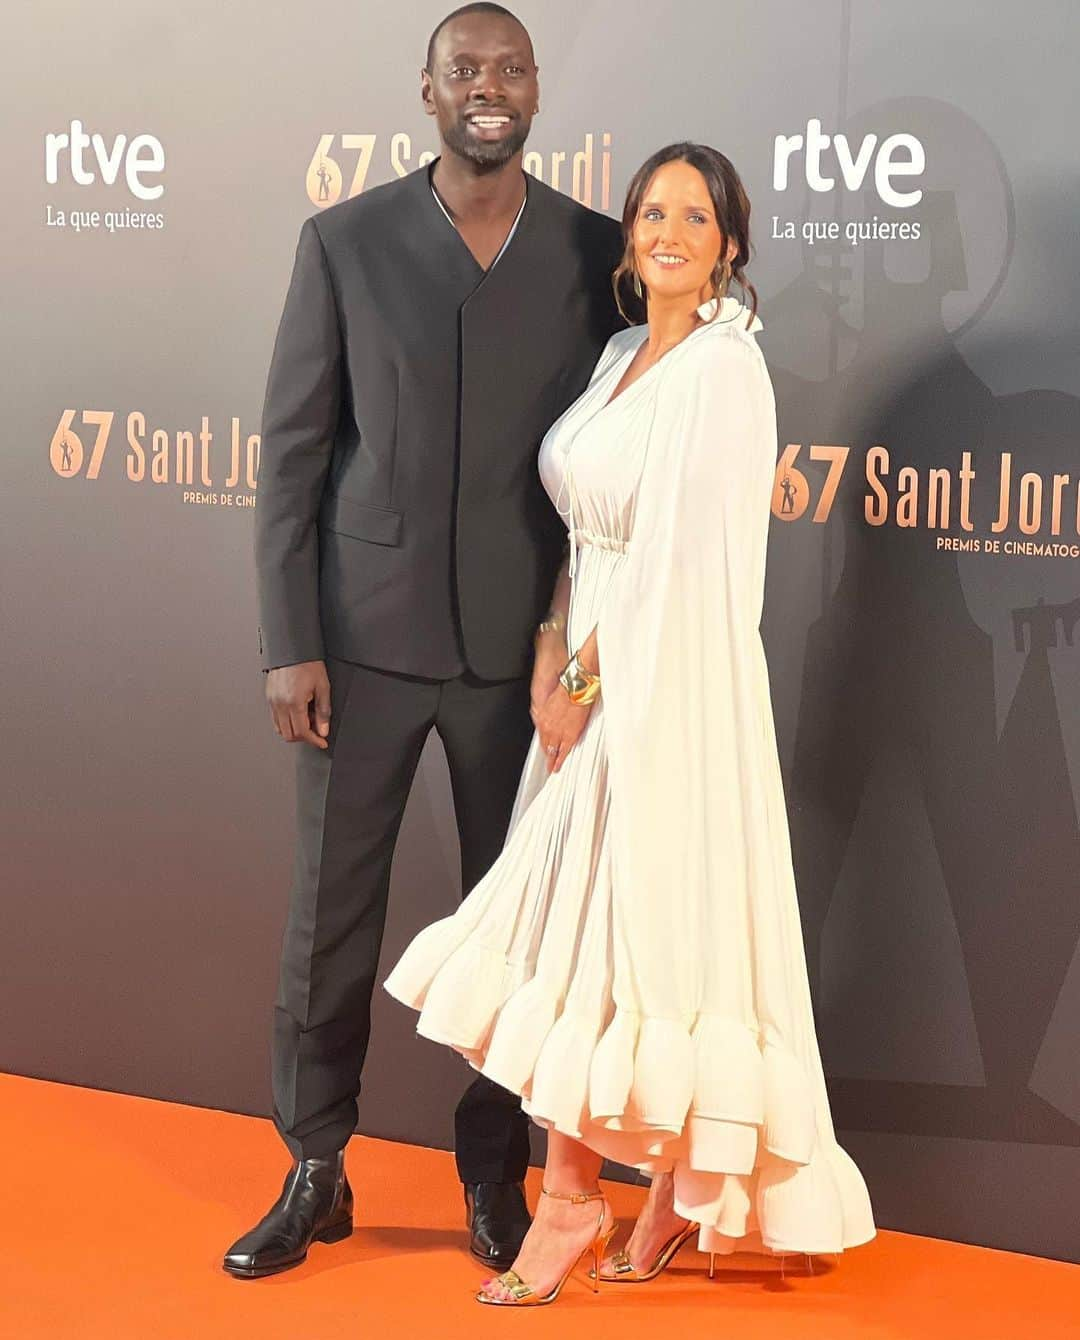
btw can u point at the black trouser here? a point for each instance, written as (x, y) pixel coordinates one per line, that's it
(350, 800)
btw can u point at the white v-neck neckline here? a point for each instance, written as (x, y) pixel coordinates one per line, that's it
(730, 309)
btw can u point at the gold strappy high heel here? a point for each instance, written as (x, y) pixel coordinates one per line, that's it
(523, 1295)
(622, 1270)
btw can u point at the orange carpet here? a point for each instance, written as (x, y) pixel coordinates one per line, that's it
(116, 1210)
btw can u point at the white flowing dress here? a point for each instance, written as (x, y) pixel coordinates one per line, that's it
(632, 964)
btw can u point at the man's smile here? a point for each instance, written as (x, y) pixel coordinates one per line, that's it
(489, 125)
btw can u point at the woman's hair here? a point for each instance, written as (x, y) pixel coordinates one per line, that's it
(731, 206)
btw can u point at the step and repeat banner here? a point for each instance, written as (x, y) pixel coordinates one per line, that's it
(914, 177)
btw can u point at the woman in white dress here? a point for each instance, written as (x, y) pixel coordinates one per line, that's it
(632, 964)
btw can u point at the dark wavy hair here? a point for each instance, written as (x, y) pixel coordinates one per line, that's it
(730, 203)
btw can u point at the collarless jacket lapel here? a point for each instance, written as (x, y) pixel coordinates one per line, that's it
(530, 336)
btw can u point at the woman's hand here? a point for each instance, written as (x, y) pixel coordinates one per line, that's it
(551, 656)
(559, 723)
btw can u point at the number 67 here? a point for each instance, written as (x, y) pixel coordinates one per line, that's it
(791, 488)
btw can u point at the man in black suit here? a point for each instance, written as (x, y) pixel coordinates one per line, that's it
(433, 330)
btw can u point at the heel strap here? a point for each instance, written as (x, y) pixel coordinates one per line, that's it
(576, 1197)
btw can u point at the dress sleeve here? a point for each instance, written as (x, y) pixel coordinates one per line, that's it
(681, 657)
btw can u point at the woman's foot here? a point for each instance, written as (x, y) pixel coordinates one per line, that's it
(561, 1231)
(656, 1224)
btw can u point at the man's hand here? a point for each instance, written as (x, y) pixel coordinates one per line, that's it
(299, 698)
(551, 657)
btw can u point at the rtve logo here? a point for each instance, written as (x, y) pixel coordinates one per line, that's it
(142, 156)
(853, 168)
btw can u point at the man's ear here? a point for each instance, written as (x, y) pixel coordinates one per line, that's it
(425, 93)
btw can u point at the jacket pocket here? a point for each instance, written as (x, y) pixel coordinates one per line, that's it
(379, 525)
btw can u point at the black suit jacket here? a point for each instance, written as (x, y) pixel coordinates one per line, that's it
(400, 521)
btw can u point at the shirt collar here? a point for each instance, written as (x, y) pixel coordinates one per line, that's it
(731, 309)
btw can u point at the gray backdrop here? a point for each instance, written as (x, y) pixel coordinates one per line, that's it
(927, 696)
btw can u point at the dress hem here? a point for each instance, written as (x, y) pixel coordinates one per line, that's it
(767, 1166)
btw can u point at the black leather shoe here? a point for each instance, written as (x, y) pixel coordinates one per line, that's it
(498, 1220)
(315, 1205)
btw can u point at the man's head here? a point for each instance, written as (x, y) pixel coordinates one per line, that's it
(480, 83)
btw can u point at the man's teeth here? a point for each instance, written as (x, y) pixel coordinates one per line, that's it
(670, 260)
(489, 122)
